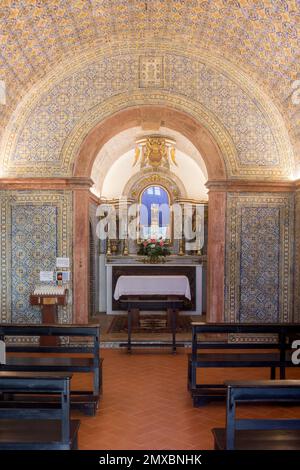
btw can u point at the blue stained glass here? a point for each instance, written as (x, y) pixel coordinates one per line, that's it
(153, 198)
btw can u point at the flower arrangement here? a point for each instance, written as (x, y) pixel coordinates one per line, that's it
(154, 250)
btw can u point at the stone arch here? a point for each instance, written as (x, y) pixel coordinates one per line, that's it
(133, 116)
(213, 157)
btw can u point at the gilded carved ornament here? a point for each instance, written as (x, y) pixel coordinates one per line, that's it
(155, 152)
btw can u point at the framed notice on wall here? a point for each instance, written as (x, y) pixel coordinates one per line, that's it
(46, 276)
(62, 262)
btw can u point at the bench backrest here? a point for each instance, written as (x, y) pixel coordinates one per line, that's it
(76, 330)
(283, 333)
(83, 332)
(275, 391)
(28, 382)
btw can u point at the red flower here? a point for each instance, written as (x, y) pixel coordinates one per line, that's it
(161, 243)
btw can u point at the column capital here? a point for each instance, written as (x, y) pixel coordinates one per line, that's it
(251, 186)
(73, 183)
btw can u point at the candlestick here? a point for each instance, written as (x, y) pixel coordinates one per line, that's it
(181, 247)
(125, 250)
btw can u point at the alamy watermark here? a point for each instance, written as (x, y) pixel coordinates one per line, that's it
(2, 352)
(138, 222)
(296, 354)
(2, 92)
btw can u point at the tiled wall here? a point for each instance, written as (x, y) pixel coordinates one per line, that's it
(259, 257)
(36, 226)
(249, 136)
(297, 259)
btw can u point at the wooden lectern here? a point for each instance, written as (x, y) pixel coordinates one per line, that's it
(48, 298)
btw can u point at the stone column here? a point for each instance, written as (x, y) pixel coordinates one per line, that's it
(216, 255)
(81, 256)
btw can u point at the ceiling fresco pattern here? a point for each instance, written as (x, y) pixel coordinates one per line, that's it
(260, 38)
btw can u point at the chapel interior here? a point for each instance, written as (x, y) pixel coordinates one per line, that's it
(150, 224)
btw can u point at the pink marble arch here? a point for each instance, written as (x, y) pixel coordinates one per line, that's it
(203, 141)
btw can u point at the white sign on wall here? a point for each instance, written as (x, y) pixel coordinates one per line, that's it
(46, 276)
(62, 262)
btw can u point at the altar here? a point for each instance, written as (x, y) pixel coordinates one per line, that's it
(167, 292)
(153, 225)
(112, 267)
(154, 285)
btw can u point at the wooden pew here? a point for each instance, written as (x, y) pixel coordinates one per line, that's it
(41, 427)
(278, 354)
(24, 358)
(259, 434)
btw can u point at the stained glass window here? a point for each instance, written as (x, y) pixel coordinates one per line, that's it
(155, 213)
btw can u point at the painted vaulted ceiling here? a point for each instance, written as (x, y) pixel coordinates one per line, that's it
(261, 38)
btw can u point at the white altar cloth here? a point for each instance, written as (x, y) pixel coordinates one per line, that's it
(152, 285)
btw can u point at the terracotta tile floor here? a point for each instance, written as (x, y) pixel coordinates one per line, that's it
(145, 404)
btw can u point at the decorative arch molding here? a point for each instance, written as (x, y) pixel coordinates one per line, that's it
(167, 180)
(134, 112)
(204, 91)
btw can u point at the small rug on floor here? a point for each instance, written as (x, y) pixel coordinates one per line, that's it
(150, 324)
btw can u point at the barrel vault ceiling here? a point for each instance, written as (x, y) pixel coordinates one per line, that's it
(260, 37)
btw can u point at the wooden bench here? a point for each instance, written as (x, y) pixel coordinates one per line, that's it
(39, 427)
(259, 434)
(278, 354)
(21, 358)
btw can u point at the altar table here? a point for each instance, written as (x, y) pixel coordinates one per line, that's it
(152, 285)
(137, 291)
